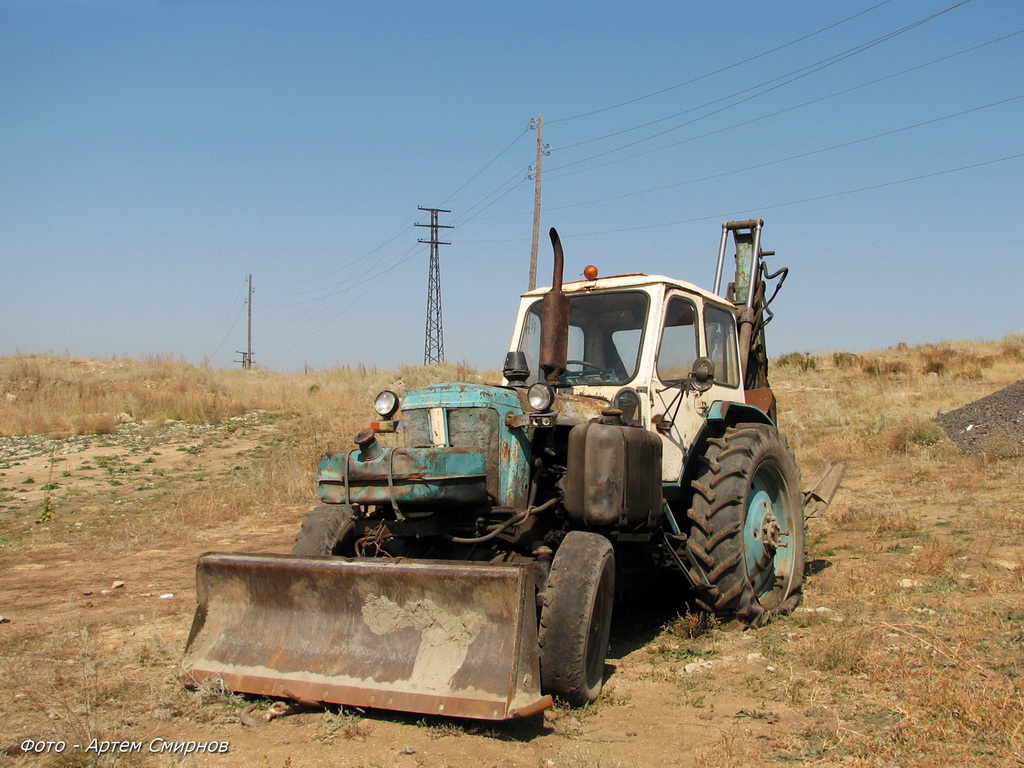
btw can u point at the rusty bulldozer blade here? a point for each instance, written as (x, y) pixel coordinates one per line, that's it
(823, 488)
(433, 637)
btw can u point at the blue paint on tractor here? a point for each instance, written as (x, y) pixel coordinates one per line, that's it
(721, 410)
(477, 454)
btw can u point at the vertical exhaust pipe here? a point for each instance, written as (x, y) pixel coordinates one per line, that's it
(554, 313)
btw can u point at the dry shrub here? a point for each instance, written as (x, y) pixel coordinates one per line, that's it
(690, 626)
(95, 424)
(845, 360)
(912, 433)
(946, 360)
(874, 366)
(838, 651)
(1012, 347)
(801, 361)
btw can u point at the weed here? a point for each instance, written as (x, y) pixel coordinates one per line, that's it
(342, 724)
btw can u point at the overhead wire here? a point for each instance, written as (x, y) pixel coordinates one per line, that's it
(816, 198)
(777, 161)
(787, 79)
(324, 295)
(721, 69)
(216, 333)
(771, 206)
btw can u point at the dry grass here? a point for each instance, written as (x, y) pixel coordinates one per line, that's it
(908, 652)
(60, 396)
(840, 406)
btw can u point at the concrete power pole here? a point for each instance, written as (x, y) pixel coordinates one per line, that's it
(542, 150)
(433, 347)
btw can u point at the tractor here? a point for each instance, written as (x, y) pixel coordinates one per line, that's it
(468, 550)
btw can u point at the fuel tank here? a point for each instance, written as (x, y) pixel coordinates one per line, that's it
(613, 477)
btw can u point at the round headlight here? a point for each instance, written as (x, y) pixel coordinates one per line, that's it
(386, 403)
(540, 396)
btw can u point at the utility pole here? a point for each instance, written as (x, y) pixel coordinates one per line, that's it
(542, 150)
(433, 347)
(247, 355)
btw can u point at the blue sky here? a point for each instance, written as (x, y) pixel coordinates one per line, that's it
(155, 152)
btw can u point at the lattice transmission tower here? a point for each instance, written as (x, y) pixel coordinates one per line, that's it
(433, 347)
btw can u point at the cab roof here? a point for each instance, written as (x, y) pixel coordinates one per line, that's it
(637, 280)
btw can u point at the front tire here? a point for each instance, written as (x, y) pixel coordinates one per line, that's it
(576, 617)
(746, 543)
(328, 530)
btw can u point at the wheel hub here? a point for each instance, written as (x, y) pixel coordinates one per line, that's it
(771, 534)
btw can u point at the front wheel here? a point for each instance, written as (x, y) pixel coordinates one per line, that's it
(576, 617)
(746, 542)
(328, 530)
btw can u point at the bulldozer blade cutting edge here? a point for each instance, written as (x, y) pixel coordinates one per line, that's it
(819, 495)
(427, 636)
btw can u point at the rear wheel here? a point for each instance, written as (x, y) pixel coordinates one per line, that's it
(746, 541)
(328, 530)
(575, 620)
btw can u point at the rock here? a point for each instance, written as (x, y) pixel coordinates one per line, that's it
(5, 620)
(117, 585)
(908, 583)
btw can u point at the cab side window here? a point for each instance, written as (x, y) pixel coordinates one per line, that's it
(677, 350)
(720, 334)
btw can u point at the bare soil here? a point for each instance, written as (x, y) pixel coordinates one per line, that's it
(907, 649)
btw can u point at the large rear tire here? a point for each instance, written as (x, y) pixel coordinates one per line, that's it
(328, 530)
(746, 543)
(575, 620)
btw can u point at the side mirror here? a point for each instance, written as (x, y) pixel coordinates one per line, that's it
(703, 374)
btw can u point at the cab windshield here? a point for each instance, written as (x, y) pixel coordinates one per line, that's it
(605, 338)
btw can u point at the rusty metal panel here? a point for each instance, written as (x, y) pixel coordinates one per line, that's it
(404, 475)
(818, 496)
(420, 636)
(762, 399)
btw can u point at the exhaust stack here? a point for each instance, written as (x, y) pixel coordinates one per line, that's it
(554, 335)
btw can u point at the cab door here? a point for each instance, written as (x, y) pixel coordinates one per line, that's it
(690, 329)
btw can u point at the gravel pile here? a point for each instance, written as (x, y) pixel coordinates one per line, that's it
(992, 425)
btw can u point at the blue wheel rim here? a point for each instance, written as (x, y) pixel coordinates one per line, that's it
(767, 530)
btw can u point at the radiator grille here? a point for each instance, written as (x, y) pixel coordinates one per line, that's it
(467, 428)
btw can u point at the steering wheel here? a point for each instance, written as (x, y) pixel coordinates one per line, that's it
(584, 365)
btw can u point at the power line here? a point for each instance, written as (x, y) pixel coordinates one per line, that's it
(375, 275)
(869, 188)
(793, 76)
(723, 69)
(766, 207)
(221, 326)
(777, 161)
(408, 255)
(776, 113)
(487, 165)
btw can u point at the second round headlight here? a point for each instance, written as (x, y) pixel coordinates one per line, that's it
(540, 396)
(386, 403)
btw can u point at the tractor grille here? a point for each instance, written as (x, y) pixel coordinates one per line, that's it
(467, 428)
(417, 428)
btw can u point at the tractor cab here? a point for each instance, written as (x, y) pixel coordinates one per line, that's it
(661, 351)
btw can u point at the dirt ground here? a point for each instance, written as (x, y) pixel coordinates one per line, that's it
(877, 667)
